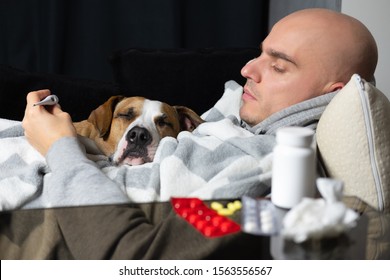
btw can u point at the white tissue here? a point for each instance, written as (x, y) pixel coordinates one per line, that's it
(318, 218)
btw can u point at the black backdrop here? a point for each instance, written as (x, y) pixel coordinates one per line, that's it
(76, 37)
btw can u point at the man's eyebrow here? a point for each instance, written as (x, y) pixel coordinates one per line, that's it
(277, 54)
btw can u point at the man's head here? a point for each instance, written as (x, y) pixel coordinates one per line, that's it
(308, 53)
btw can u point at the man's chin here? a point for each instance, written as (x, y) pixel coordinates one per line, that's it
(247, 115)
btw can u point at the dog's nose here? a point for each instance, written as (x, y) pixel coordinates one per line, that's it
(139, 136)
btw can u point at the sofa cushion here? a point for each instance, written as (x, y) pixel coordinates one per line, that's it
(353, 137)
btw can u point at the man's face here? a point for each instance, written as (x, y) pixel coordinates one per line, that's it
(289, 70)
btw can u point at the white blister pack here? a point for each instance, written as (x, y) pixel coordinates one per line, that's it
(259, 217)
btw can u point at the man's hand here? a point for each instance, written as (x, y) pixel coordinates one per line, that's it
(43, 125)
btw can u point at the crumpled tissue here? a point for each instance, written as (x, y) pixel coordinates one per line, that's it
(318, 218)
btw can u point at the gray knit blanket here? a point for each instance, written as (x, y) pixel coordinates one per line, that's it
(219, 160)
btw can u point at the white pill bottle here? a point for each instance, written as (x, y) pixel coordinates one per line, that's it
(293, 167)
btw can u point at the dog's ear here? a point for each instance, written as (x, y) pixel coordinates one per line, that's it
(189, 120)
(102, 116)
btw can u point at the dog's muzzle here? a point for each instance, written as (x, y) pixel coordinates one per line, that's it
(136, 151)
(139, 136)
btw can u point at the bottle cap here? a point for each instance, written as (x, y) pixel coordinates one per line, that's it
(295, 136)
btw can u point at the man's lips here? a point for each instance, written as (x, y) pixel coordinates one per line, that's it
(247, 95)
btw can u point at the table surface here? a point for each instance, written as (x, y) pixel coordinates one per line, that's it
(370, 239)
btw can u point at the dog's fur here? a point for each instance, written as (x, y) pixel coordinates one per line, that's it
(129, 129)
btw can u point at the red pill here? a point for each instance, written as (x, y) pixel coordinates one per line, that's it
(194, 203)
(200, 224)
(185, 212)
(210, 231)
(193, 218)
(226, 226)
(217, 220)
(207, 217)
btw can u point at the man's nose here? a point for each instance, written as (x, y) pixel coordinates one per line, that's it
(251, 70)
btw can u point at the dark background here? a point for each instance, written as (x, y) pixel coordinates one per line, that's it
(177, 51)
(77, 37)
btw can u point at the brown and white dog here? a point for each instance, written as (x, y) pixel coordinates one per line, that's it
(129, 129)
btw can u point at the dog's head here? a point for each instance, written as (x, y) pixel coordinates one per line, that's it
(130, 128)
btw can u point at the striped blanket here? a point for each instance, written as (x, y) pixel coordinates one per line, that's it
(219, 160)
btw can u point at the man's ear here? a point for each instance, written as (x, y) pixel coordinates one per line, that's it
(189, 120)
(335, 86)
(102, 116)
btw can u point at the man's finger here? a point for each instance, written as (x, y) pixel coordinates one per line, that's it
(36, 96)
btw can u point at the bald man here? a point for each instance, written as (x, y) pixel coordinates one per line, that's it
(307, 57)
(307, 54)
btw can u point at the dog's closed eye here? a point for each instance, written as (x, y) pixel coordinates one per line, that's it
(162, 121)
(130, 114)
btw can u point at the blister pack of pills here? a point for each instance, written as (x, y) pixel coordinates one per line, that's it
(259, 217)
(204, 219)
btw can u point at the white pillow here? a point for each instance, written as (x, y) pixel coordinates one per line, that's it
(353, 138)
